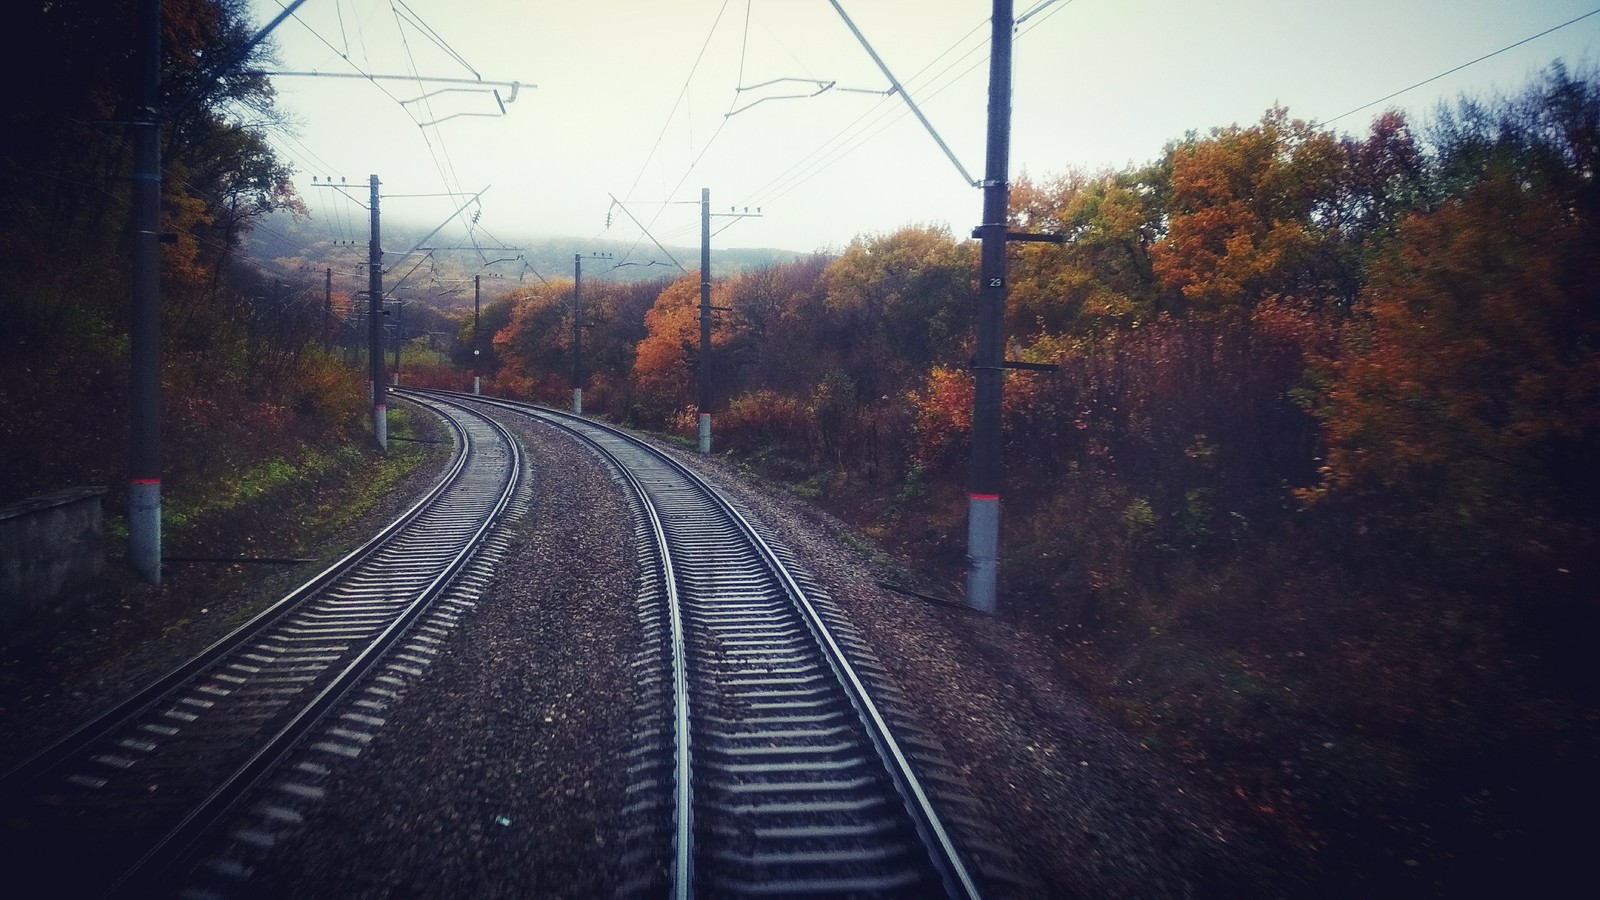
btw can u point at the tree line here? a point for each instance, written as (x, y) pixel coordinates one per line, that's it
(1265, 319)
(243, 376)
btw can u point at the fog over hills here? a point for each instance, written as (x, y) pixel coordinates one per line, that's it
(439, 268)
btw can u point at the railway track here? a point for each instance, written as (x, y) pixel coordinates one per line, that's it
(119, 804)
(764, 763)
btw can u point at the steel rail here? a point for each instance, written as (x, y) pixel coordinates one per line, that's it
(958, 881)
(683, 756)
(935, 836)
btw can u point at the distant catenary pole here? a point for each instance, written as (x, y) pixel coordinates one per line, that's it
(705, 321)
(577, 333)
(380, 415)
(477, 294)
(327, 311)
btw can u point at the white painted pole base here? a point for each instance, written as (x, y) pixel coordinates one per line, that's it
(577, 401)
(705, 432)
(983, 550)
(144, 529)
(476, 385)
(380, 426)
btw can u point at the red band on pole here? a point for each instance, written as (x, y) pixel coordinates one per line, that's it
(380, 406)
(984, 496)
(145, 481)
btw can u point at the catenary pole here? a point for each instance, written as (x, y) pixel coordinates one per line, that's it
(399, 309)
(144, 437)
(477, 295)
(577, 333)
(144, 332)
(983, 504)
(705, 321)
(380, 415)
(327, 311)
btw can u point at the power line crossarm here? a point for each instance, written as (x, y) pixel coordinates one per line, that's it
(513, 85)
(899, 89)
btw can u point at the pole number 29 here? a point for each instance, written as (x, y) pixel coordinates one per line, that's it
(997, 282)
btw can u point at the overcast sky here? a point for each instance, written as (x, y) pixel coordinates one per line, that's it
(640, 99)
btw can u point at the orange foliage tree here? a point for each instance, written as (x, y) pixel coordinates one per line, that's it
(666, 360)
(1250, 215)
(534, 351)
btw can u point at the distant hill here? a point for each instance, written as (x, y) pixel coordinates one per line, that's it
(302, 249)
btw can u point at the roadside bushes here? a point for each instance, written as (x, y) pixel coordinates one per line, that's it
(766, 421)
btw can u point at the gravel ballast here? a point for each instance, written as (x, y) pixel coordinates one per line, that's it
(500, 773)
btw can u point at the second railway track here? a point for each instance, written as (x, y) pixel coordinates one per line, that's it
(114, 806)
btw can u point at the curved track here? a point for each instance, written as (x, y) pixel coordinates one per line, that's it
(114, 806)
(764, 766)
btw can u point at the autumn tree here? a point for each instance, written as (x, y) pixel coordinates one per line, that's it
(64, 198)
(535, 348)
(1470, 384)
(778, 325)
(1102, 276)
(898, 303)
(614, 324)
(493, 317)
(1466, 389)
(1251, 216)
(667, 360)
(1547, 137)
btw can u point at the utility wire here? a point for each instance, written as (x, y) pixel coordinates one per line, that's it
(876, 112)
(766, 197)
(434, 36)
(338, 9)
(442, 167)
(441, 155)
(744, 44)
(404, 16)
(681, 94)
(1464, 65)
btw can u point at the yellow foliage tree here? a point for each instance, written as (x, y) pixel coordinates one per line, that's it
(1250, 214)
(664, 364)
